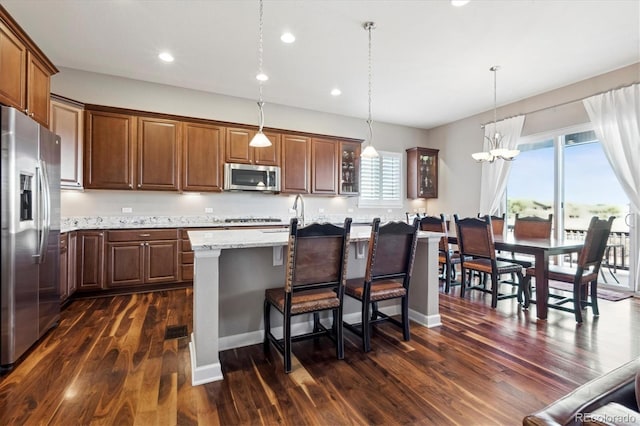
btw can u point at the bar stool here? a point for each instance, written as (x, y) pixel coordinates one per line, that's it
(314, 282)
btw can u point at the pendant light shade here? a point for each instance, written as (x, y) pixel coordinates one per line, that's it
(369, 151)
(496, 151)
(260, 140)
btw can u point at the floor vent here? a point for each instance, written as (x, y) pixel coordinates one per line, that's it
(175, 332)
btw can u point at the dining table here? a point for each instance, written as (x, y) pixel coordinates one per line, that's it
(542, 249)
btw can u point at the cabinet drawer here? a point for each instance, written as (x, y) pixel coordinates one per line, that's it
(142, 235)
(186, 258)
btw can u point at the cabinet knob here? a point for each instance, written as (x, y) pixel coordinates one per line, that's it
(131, 185)
(30, 114)
(141, 244)
(26, 110)
(139, 185)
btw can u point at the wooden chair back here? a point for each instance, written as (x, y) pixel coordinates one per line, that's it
(317, 256)
(497, 223)
(532, 227)
(436, 224)
(475, 237)
(595, 243)
(392, 249)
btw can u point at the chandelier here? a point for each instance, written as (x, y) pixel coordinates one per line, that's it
(495, 140)
(369, 151)
(260, 140)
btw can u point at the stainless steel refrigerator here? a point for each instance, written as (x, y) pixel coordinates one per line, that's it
(30, 301)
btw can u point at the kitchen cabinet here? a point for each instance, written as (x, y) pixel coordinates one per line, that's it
(142, 257)
(296, 164)
(90, 257)
(67, 265)
(202, 161)
(237, 149)
(349, 168)
(422, 173)
(158, 146)
(25, 72)
(109, 150)
(324, 166)
(66, 120)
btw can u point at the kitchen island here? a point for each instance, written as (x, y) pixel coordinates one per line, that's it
(232, 268)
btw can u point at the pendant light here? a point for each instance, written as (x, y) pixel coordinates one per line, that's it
(369, 151)
(495, 140)
(260, 140)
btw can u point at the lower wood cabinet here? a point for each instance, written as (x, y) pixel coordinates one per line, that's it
(142, 257)
(67, 265)
(90, 258)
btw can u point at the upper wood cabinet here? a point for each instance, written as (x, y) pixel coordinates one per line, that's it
(422, 173)
(24, 71)
(349, 169)
(67, 122)
(237, 149)
(202, 161)
(158, 154)
(296, 164)
(324, 166)
(109, 150)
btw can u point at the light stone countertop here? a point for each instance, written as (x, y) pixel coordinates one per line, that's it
(246, 238)
(68, 224)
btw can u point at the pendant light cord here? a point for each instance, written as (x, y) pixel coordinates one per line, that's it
(370, 26)
(260, 52)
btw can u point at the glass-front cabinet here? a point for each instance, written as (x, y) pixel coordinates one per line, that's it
(349, 168)
(422, 173)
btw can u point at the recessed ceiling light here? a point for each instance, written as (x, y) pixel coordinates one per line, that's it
(262, 77)
(287, 38)
(336, 92)
(459, 3)
(166, 56)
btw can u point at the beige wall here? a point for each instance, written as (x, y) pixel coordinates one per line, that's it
(459, 179)
(102, 89)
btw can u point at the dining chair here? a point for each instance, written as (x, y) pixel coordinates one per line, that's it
(447, 258)
(529, 227)
(477, 251)
(314, 282)
(497, 223)
(392, 249)
(584, 276)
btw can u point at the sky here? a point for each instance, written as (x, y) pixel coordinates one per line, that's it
(588, 176)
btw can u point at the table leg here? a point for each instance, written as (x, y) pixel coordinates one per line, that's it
(542, 283)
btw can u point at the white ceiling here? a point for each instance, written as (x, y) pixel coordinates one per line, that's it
(430, 60)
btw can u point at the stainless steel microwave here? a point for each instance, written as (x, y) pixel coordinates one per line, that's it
(249, 177)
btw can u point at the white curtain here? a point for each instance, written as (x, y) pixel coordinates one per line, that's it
(493, 182)
(616, 118)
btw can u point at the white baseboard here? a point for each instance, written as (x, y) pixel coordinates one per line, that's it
(204, 373)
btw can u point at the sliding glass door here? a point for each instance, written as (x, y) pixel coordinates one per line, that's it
(567, 174)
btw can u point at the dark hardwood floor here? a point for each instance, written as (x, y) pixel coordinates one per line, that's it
(108, 363)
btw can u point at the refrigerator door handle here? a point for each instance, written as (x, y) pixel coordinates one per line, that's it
(46, 211)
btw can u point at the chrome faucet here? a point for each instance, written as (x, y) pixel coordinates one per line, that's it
(295, 207)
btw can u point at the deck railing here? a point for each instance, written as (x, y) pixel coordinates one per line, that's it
(617, 253)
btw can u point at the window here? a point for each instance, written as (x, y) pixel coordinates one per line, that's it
(380, 180)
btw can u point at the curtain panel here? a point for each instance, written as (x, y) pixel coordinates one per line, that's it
(616, 119)
(493, 182)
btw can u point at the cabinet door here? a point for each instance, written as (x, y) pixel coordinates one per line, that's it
(109, 150)
(161, 262)
(324, 161)
(72, 263)
(90, 260)
(202, 157)
(64, 267)
(38, 78)
(296, 156)
(13, 70)
(66, 122)
(349, 169)
(422, 173)
(158, 154)
(237, 149)
(125, 264)
(270, 155)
